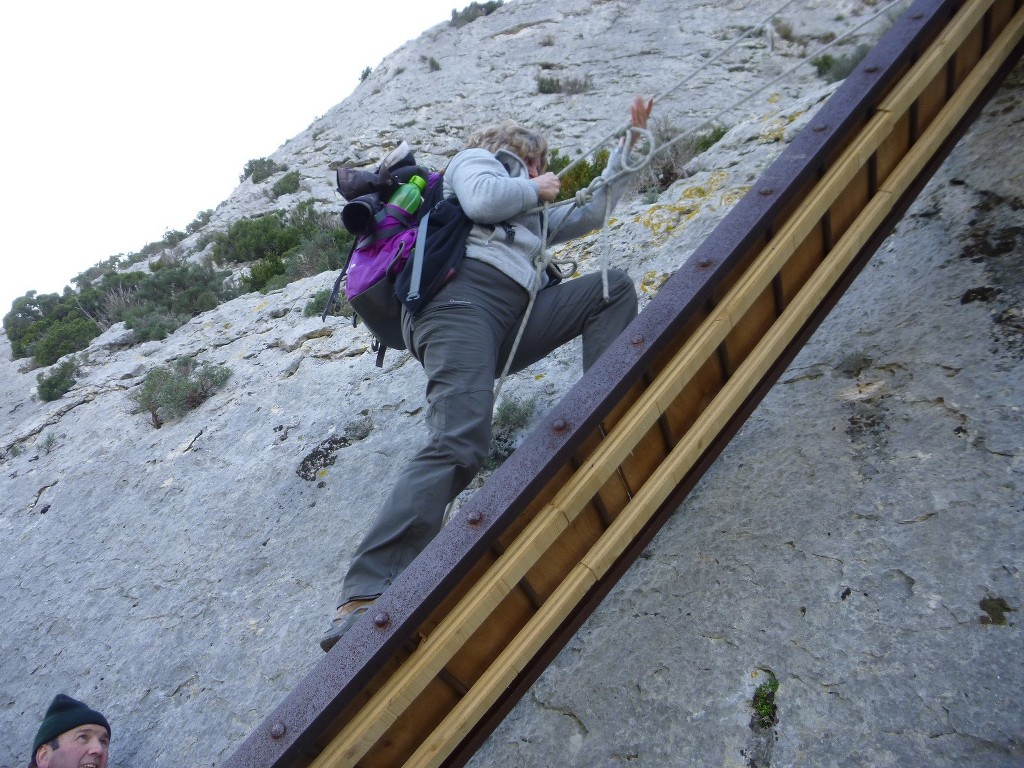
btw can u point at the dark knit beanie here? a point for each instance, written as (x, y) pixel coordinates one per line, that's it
(64, 714)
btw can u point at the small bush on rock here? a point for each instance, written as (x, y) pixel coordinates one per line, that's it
(286, 185)
(340, 308)
(580, 175)
(255, 239)
(669, 165)
(511, 418)
(168, 299)
(546, 84)
(576, 85)
(262, 272)
(473, 11)
(261, 169)
(170, 392)
(54, 385)
(836, 68)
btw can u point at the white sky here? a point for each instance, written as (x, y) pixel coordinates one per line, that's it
(122, 120)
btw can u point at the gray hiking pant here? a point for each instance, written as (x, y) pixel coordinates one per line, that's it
(462, 338)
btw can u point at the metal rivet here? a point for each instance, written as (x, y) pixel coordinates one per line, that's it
(381, 620)
(766, 191)
(871, 68)
(560, 425)
(636, 341)
(819, 127)
(704, 263)
(474, 517)
(917, 15)
(278, 730)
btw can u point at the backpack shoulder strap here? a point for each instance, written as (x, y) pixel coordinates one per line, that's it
(416, 276)
(337, 283)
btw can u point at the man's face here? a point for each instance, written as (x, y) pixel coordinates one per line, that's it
(86, 746)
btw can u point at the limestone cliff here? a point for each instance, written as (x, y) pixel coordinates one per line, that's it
(860, 538)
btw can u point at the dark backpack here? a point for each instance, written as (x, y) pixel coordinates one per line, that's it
(396, 258)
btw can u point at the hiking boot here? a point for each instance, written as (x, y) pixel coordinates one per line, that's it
(344, 618)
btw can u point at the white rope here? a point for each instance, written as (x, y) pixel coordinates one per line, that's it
(807, 59)
(657, 150)
(630, 135)
(682, 81)
(540, 262)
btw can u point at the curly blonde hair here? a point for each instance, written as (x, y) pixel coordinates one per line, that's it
(514, 137)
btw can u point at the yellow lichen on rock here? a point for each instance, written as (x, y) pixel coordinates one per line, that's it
(776, 128)
(730, 197)
(663, 220)
(652, 281)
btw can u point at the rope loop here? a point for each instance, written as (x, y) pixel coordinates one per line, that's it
(645, 136)
(586, 194)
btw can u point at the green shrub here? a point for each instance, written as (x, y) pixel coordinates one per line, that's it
(574, 85)
(318, 301)
(170, 392)
(201, 220)
(286, 185)
(261, 272)
(46, 327)
(705, 140)
(54, 385)
(309, 221)
(323, 252)
(836, 68)
(275, 282)
(546, 84)
(473, 11)
(98, 270)
(514, 414)
(315, 306)
(298, 244)
(580, 175)
(261, 169)
(365, 74)
(71, 334)
(173, 236)
(511, 418)
(302, 243)
(783, 29)
(153, 323)
(168, 299)
(254, 239)
(668, 165)
(823, 63)
(763, 703)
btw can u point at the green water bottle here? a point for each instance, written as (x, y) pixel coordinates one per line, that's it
(409, 196)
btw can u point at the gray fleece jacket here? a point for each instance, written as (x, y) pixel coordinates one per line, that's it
(495, 191)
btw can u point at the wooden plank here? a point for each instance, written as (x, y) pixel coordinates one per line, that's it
(802, 264)
(893, 147)
(586, 528)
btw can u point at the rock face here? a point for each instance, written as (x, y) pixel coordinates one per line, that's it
(859, 540)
